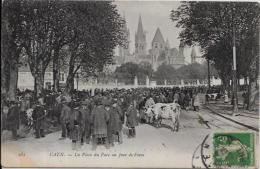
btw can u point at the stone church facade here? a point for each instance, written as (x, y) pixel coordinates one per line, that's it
(160, 52)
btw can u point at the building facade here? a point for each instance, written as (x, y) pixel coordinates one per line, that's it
(26, 80)
(160, 52)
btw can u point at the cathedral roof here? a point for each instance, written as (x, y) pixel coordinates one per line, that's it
(158, 37)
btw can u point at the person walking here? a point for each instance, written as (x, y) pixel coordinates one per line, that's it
(131, 120)
(186, 100)
(76, 125)
(196, 102)
(245, 99)
(226, 97)
(13, 119)
(38, 116)
(115, 123)
(64, 119)
(86, 115)
(100, 118)
(176, 97)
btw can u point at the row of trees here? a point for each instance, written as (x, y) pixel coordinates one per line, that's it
(79, 34)
(127, 72)
(216, 27)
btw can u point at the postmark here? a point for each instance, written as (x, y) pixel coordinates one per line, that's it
(234, 149)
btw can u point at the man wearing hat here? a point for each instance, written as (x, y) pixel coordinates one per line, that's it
(100, 118)
(64, 118)
(75, 124)
(115, 123)
(86, 115)
(13, 119)
(131, 120)
(38, 116)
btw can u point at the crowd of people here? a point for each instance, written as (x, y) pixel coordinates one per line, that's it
(97, 118)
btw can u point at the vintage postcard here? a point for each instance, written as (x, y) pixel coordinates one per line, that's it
(130, 84)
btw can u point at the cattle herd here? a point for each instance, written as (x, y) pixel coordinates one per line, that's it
(99, 117)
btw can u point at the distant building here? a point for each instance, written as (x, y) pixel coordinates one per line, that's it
(26, 80)
(124, 52)
(140, 40)
(160, 53)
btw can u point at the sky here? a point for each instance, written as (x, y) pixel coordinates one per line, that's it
(154, 14)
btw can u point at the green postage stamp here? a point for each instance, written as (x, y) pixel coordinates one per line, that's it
(234, 149)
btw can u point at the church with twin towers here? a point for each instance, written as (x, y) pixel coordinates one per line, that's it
(160, 52)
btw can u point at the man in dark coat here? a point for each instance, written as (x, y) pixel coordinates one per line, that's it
(76, 125)
(181, 99)
(64, 119)
(38, 116)
(86, 115)
(100, 118)
(27, 98)
(13, 119)
(115, 123)
(186, 100)
(131, 120)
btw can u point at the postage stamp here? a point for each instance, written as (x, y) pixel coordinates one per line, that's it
(234, 149)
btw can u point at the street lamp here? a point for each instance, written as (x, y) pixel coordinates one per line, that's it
(234, 79)
(208, 74)
(234, 67)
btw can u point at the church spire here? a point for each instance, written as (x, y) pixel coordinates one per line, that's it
(140, 30)
(140, 39)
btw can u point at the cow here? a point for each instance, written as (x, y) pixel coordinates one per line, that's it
(166, 111)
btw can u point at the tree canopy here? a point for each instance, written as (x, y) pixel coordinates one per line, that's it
(212, 25)
(82, 33)
(127, 72)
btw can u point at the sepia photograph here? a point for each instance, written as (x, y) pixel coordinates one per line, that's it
(130, 84)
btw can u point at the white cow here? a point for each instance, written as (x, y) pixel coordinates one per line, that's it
(170, 111)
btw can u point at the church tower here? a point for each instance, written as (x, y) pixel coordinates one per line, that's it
(193, 55)
(140, 39)
(158, 41)
(158, 53)
(124, 50)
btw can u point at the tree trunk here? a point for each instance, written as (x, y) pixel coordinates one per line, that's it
(70, 83)
(38, 83)
(253, 92)
(245, 81)
(56, 66)
(3, 79)
(70, 78)
(225, 81)
(13, 82)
